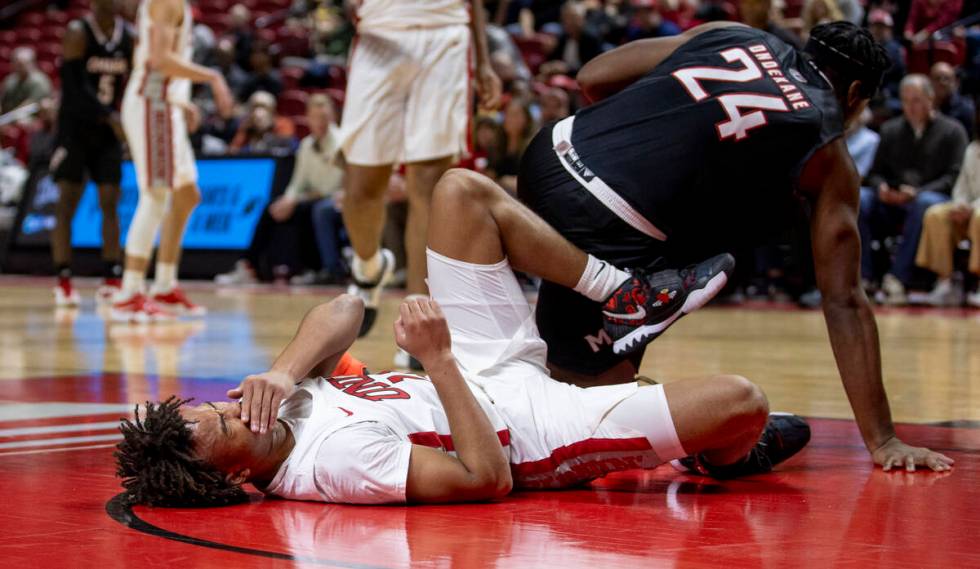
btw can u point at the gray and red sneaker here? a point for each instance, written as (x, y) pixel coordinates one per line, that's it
(177, 303)
(137, 308)
(644, 306)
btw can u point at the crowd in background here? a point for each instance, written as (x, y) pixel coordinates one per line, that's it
(286, 64)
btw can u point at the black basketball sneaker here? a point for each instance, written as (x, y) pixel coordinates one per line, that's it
(646, 305)
(785, 435)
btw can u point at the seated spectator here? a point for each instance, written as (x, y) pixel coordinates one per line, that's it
(648, 22)
(949, 223)
(880, 25)
(914, 169)
(577, 44)
(25, 84)
(488, 140)
(519, 127)
(319, 176)
(862, 143)
(555, 105)
(758, 14)
(948, 99)
(927, 16)
(240, 32)
(819, 12)
(262, 131)
(264, 76)
(223, 61)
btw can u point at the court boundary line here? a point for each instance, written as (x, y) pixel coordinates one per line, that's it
(119, 510)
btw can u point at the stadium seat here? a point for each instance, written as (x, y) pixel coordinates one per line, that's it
(292, 103)
(922, 57)
(55, 17)
(302, 126)
(28, 36)
(218, 22)
(532, 50)
(8, 38)
(290, 77)
(31, 20)
(338, 77)
(292, 43)
(52, 33)
(48, 51)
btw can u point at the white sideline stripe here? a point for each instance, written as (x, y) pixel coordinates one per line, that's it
(64, 440)
(58, 429)
(46, 450)
(17, 411)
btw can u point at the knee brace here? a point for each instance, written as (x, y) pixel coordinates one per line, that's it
(146, 222)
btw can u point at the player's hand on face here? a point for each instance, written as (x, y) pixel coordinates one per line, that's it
(421, 330)
(897, 455)
(261, 395)
(489, 87)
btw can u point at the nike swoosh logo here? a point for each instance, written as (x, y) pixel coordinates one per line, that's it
(602, 268)
(638, 315)
(345, 411)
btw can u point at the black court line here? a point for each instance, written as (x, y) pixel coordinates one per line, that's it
(122, 512)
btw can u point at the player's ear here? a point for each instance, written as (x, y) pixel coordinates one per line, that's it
(238, 477)
(854, 94)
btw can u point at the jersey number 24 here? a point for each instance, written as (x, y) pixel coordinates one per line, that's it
(738, 124)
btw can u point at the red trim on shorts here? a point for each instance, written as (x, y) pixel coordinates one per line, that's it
(577, 450)
(169, 170)
(148, 146)
(433, 439)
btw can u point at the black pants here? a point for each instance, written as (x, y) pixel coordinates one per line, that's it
(571, 324)
(291, 242)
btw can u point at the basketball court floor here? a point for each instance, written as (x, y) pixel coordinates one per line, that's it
(67, 376)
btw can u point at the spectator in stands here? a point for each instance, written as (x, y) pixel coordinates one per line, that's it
(262, 131)
(577, 44)
(263, 76)
(518, 126)
(240, 31)
(915, 167)
(647, 21)
(319, 176)
(927, 16)
(949, 223)
(223, 61)
(862, 143)
(488, 142)
(25, 84)
(880, 25)
(555, 105)
(758, 14)
(820, 12)
(948, 99)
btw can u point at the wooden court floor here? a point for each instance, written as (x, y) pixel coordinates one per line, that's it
(67, 376)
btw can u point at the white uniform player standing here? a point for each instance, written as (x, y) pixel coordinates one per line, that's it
(408, 101)
(157, 115)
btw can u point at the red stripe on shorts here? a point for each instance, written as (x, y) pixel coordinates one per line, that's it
(433, 439)
(577, 450)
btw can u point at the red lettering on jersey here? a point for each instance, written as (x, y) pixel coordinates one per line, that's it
(367, 388)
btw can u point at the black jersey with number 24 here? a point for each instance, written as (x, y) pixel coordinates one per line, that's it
(710, 143)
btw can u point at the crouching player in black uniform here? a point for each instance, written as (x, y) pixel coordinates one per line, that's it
(97, 54)
(696, 143)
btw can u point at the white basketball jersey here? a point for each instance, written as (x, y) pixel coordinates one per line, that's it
(404, 405)
(150, 84)
(405, 14)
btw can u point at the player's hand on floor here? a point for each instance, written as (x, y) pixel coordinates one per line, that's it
(261, 395)
(895, 454)
(421, 330)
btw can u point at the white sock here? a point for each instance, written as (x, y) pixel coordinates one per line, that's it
(600, 280)
(367, 270)
(132, 283)
(166, 277)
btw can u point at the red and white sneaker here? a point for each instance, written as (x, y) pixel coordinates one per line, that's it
(107, 291)
(138, 308)
(65, 296)
(177, 302)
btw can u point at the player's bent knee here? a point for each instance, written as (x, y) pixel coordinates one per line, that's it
(747, 399)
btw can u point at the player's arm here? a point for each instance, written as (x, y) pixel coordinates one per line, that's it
(78, 97)
(325, 333)
(165, 18)
(487, 83)
(832, 183)
(480, 470)
(613, 71)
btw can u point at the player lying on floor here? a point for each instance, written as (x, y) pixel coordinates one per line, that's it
(487, 419)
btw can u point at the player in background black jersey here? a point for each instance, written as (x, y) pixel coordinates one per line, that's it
(697, 143)
(96, 59)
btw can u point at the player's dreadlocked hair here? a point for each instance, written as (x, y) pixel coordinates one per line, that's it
(847, 53)
(156, 462)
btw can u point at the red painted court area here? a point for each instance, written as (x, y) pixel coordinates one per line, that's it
(826, 507)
